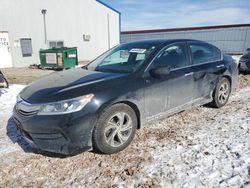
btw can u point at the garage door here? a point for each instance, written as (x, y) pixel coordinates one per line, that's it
(5, 56)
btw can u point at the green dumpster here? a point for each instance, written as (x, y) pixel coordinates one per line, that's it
(58, 58)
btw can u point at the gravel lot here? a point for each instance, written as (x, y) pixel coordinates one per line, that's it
(26, 75)
(200, 147)
(23, 75)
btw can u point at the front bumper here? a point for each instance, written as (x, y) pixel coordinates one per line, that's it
(65, 134)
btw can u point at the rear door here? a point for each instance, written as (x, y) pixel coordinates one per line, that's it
(207, 67)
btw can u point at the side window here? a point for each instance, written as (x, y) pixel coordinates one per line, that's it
(203, 53)
(173, 57)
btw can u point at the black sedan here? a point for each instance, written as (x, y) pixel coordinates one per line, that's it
(244, 64)
(100, 106)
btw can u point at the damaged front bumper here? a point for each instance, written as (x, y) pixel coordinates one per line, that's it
(64, 134)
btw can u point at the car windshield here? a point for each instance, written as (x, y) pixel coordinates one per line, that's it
(125, 58)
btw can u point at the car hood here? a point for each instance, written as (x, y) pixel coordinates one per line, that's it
(60, 85)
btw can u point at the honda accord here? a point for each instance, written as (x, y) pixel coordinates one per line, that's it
(100, 106)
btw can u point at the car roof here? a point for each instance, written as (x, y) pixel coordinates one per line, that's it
(163, 41)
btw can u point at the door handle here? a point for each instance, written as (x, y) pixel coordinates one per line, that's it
(189, 74)
(220, 66)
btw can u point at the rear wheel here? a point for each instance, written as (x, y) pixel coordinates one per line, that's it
(115, 129)
(221, 93)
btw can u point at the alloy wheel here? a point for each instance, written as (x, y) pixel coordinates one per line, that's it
(118, 129)
(223, 93)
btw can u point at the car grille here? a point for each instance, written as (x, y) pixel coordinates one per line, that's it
(27, 114)
(26, 109)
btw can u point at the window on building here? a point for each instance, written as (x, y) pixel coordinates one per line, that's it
(26, 47)
(52, 44)
(204, 53)
(56, 44)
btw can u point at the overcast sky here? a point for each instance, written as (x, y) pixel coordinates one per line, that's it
(156, 14)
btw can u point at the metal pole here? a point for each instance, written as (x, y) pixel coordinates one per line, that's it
(44, 25)
(108, 31)
(45, 29)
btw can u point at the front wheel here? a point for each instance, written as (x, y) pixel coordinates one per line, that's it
(115, 129)
(221, 93)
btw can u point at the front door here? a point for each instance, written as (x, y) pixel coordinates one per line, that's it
(168, 93)
(5, 55)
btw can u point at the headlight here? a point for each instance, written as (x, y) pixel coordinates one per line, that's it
(65, 107)
(18, 99)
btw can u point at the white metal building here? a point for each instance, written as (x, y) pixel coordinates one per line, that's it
(26, 26)
(233, 39)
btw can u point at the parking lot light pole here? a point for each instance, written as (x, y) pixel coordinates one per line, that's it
(44, 11)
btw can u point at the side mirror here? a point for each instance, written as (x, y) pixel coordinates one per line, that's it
(160, 71)
(248, 49)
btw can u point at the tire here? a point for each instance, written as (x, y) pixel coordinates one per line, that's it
(3, 82)
(221, 93)
(115, 129)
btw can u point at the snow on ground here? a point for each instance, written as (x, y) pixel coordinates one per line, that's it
(236, 58)
(7, 102)
(8, 98)
(215, 152)
(200, 147)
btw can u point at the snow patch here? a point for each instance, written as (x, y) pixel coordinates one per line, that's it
(8, 99)
(7, 102)
(237, 58)
(216, 155)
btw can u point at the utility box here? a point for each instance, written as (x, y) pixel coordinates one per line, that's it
(59, 58)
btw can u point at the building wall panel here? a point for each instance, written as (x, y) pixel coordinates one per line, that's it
(230, 40)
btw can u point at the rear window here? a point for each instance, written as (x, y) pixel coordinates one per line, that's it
(204, 53)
